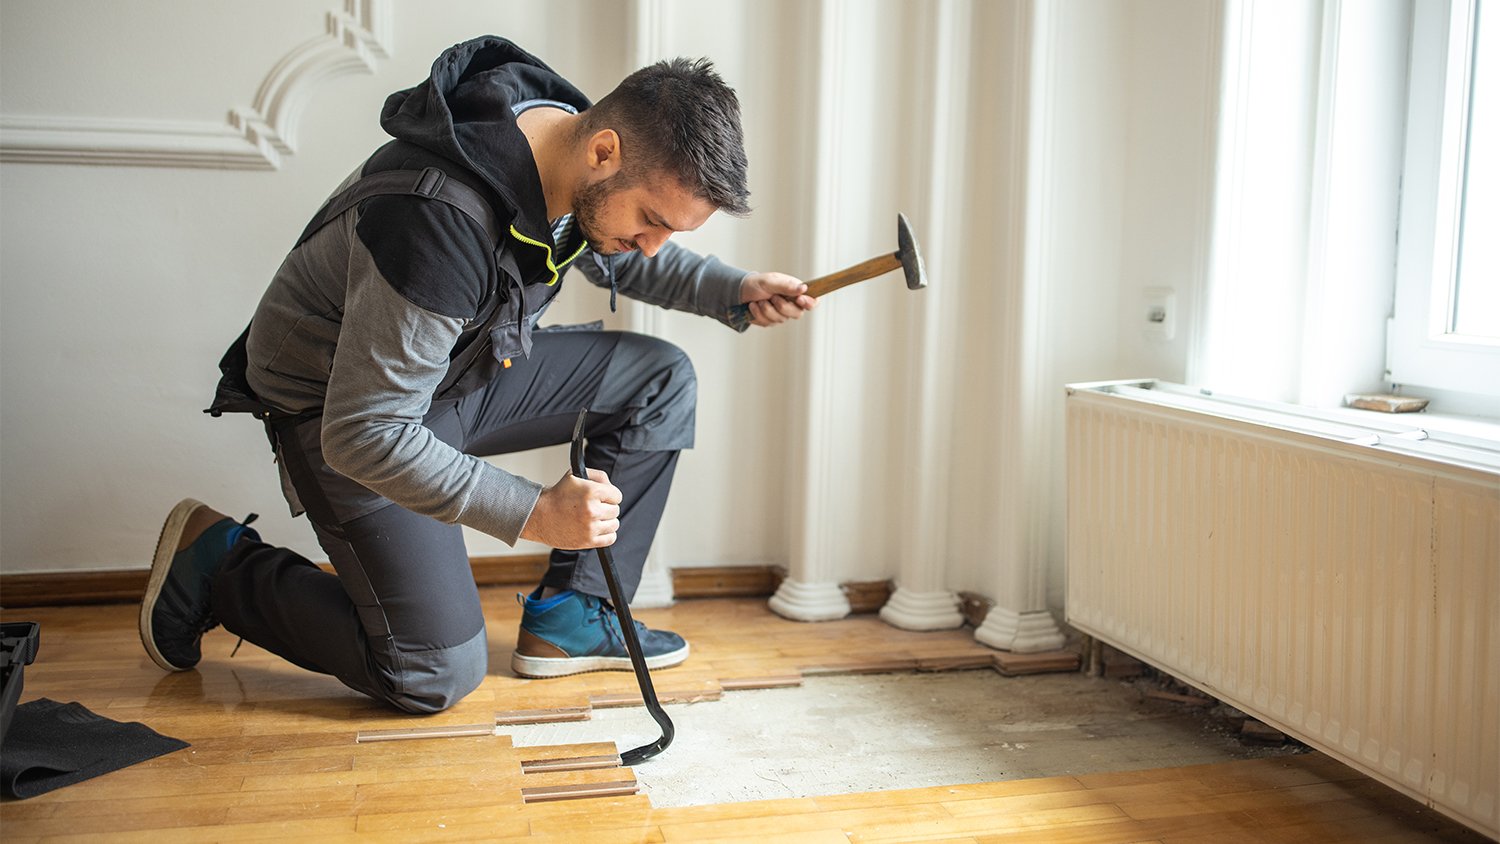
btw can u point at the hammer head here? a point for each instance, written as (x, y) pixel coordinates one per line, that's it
(910, 255)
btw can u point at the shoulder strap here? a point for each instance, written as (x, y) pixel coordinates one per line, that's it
(431, 183)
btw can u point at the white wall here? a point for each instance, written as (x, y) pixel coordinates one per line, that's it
(120, 286)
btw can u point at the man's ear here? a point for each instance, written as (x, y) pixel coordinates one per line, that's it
(603, 153)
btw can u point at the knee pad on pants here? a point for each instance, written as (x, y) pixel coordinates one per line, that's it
(431, 681)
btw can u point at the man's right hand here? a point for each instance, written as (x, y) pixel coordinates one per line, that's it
(574, 513)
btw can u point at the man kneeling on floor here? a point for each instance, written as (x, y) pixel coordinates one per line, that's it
(397, 344)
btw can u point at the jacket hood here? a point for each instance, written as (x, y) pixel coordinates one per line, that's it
(463, 112)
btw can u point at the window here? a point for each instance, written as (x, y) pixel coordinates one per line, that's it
(1445, 331)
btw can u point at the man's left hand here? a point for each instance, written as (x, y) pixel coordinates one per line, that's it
(774, 298)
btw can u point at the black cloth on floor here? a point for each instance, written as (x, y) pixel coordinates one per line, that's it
(53, 744)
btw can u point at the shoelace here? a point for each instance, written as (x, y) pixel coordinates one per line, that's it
(244, 524)
(613, 632)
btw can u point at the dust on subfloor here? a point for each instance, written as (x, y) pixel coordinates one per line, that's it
(843, 734)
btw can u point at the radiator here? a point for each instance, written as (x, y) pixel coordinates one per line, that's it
(1337, 579)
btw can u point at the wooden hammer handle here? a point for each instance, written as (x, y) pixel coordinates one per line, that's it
(878, 265)
(739, 315)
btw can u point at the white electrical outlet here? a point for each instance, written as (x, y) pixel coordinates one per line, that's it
(1159, 313)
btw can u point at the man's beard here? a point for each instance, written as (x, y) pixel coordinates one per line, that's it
(588, 204)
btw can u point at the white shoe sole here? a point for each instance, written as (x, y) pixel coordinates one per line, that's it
(541, 667)
(161, 564)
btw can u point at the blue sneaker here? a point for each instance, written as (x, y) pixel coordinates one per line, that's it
(571, 633)
(175, 612)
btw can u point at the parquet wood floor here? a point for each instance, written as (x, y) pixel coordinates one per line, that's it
(275, 755)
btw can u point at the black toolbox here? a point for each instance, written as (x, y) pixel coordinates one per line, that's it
(18, 644)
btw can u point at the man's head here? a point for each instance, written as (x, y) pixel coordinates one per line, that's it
(668, 140)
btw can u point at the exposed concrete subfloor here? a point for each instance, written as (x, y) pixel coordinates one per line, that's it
(843, 734)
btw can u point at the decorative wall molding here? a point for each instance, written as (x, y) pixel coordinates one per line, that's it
(252, 138)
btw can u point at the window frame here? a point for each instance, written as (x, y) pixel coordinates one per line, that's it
(1421, 351)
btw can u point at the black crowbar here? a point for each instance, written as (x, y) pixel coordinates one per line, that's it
(627, 627)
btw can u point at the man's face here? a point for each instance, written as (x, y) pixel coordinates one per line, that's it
(619, 214)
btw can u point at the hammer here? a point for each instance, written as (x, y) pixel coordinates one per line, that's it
(907, 256)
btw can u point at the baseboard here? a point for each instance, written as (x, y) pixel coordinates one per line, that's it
(58, 589)
(509, 569)
(867, 596)
(762, 582)
(70, 588)
(974, 607)
(726, 581)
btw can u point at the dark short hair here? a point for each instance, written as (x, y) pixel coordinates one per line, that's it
(680, 118)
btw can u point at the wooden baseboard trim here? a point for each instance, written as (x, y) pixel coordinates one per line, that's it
(867, 596)
(72, 588)
(1046, 662)
(726, 581)
(974, 607)
(58, 589)
(509, 569)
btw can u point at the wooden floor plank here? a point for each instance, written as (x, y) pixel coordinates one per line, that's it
(920, 829)
(641, 835)
(577, 791)
(764, 826)
(322, 828)
(566, 751)
(946, 794)
(434, 821)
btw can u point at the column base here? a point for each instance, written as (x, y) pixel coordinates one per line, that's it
(655, 590)
(1026, 632)
(809, 601)
(909, 609)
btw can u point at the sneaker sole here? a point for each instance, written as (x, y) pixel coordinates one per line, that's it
(161, 564)
(541, 667)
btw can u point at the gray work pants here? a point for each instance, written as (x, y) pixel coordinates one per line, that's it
(401, 620)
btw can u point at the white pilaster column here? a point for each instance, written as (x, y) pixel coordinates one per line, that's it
(646, 44)
(809, 601)
(912, 608)
(1022, 453)
(1020, 632)
(656, 584)
(811, 591)
(921, 600)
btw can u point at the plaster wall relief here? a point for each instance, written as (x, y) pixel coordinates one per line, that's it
(253, 137)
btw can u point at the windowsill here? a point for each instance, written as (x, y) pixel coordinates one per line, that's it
(1483, 428)
(1454, 439)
